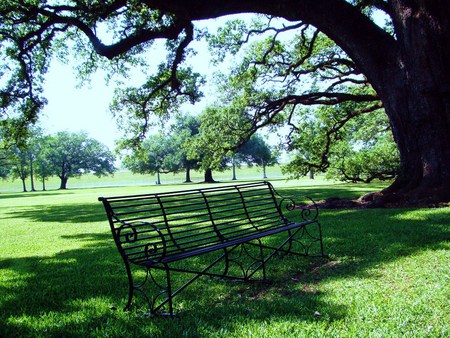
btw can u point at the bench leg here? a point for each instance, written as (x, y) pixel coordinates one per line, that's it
(263, 263)
(165, 291)
(131, 288)
(169, 292)
(250, 269)
(309, 241)
(260, 260)
(153, 307)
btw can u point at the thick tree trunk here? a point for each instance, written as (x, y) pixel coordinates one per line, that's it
(421, 132)
(188, 175)
(63, 184)
(208, 176)
(416, 97)
(24, 185)
(412, 77)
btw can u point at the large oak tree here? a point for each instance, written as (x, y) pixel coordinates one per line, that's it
(409, 68)
(74, 154)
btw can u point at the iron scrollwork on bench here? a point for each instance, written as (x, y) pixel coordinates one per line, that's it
(141, 232)
(308, 211)
(226, 225)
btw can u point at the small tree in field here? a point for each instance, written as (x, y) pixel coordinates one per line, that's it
(182, 134)
(213, 142)
(157, 155)
(257, 151)
(20, 167)
(74, 154)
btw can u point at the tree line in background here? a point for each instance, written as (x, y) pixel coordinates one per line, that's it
(67, 155)
(360, 151)
(64, 155)
(187, 146)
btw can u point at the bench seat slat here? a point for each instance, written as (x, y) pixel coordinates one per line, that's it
(236, 241)
(210, 241)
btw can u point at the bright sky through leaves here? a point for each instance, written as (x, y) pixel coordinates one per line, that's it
(86, 108)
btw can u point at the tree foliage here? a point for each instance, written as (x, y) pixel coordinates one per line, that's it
(74, 154)
(183, 132)
(404, 62)
(306, 70)
(219, 135)
(257, 152)
(154, 101)
(360, 151)
(158, 154)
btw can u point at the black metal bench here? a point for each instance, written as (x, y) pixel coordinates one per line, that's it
(231, 228)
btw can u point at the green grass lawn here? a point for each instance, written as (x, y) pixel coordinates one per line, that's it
(126, 178)
(388, 274)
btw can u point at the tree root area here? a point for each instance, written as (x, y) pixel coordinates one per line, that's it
(380, 200)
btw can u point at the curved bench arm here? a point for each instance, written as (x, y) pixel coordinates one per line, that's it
(134, 234)
(308, 212)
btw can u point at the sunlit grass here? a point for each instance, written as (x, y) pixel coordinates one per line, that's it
(388, 274)
(126, 178)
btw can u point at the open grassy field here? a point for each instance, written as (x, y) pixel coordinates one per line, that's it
(126, 178)
(388, 274)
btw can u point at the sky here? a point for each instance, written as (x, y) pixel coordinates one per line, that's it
(73, 108)
(87, 108)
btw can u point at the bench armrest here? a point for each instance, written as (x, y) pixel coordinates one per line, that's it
(309, 211)
(130, 233)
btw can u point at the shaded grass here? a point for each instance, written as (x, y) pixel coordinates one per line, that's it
(388, 276)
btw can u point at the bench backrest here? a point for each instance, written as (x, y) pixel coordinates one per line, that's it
(152, 226)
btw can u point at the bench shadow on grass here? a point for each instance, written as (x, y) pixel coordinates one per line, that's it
(84, 282)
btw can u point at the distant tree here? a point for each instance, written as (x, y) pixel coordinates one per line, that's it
(20, 165)
(214, 142)
(43, 169)
(33, 147)
(17, 161)
(157, 155)
(74, 154)
(257, 151)
(182, 133)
